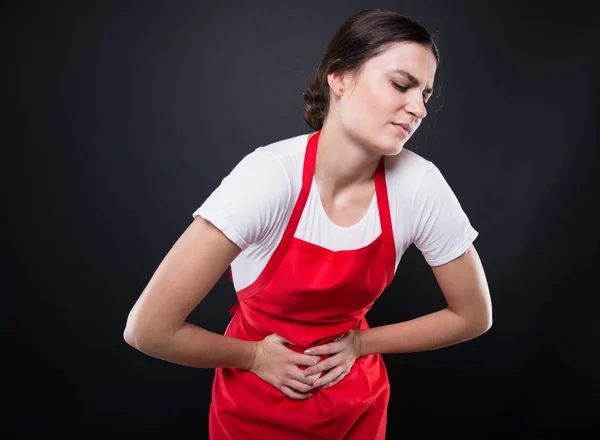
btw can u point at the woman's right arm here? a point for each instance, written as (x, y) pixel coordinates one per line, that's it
(156, 325)
(248, 202)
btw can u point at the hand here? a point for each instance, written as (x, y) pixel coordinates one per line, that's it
(344, 353)
(276, 364)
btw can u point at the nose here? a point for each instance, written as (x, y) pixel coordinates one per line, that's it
(417, 107)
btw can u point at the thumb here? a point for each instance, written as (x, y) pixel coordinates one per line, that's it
(281, 339)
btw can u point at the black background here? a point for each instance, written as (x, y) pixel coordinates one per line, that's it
(120, 118)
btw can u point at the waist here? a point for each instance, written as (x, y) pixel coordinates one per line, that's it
(327, 340)
(301, 334)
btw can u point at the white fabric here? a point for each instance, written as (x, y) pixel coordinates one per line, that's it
(253, 204)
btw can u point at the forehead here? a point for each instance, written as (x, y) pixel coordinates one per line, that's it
(408, 56)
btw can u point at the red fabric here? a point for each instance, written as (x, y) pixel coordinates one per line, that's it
(309, 295)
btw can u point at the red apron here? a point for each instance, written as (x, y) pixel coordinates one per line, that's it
(309, 295)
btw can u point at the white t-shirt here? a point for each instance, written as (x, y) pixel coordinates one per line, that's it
(253, 204)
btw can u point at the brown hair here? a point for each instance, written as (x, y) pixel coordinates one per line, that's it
(362, 37)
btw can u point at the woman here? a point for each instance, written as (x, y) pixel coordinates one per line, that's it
(313, 228)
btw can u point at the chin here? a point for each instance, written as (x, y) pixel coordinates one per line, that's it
(392, 148)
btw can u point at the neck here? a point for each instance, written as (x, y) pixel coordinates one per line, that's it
(342, 163)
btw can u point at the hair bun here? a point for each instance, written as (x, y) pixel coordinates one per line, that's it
(315, 106)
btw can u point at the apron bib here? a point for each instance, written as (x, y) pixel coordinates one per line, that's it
(310, 295)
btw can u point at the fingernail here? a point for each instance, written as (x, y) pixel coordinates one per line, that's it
(308, 351)
(307, 372)
(316, 384)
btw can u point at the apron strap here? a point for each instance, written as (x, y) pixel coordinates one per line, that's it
(383, 205)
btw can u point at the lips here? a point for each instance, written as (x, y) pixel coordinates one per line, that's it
(406, 126)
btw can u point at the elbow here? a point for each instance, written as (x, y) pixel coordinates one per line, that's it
(137, 334)
(484, 323)
(486, 326)
(483, 320)
(476, 324)
(476, 328)
(146, 335)
(131, 333)
(488, 315)
(130, 336)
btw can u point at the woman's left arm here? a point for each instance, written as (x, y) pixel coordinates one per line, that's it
(468, 315)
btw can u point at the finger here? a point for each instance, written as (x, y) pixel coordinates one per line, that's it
(283, 340)
(299, 376)
(304, 359)
(294, 394)
(329, 377)
(325, 365)
(314, 377)
(332, 347)
(330, 384)
(299, 387)
(340, 337)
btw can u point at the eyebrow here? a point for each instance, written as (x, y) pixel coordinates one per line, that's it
(412, 80)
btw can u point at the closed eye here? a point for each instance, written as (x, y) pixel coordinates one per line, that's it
(405, 89)
(399, 87)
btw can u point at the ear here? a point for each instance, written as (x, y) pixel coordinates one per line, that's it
(343, 80)
(337, 82)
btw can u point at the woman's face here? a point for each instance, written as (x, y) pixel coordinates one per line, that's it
(391, 89)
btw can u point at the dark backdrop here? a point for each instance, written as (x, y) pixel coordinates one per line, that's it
(120, 118)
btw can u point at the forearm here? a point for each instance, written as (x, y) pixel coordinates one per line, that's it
(435, 330)
(193, 346)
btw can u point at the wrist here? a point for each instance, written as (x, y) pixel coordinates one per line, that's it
(253, 353)
(360, 342)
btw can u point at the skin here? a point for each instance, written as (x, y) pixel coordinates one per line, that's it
(358, 129)
(356, 133)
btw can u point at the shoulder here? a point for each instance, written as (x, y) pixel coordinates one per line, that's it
(406, 170)
(418, 183)
(288, 152)
(287, 156)
(271, 166)
(286, 147)
(271, 174)
(256, 194)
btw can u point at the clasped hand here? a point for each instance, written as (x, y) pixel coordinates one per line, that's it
(276, 364)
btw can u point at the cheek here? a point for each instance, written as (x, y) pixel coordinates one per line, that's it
(368, 106)
(378, 100)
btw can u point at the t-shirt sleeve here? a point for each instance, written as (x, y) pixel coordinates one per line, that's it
(442, 230)
(250, 200)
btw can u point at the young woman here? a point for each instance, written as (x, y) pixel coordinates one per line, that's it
(313, 228)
